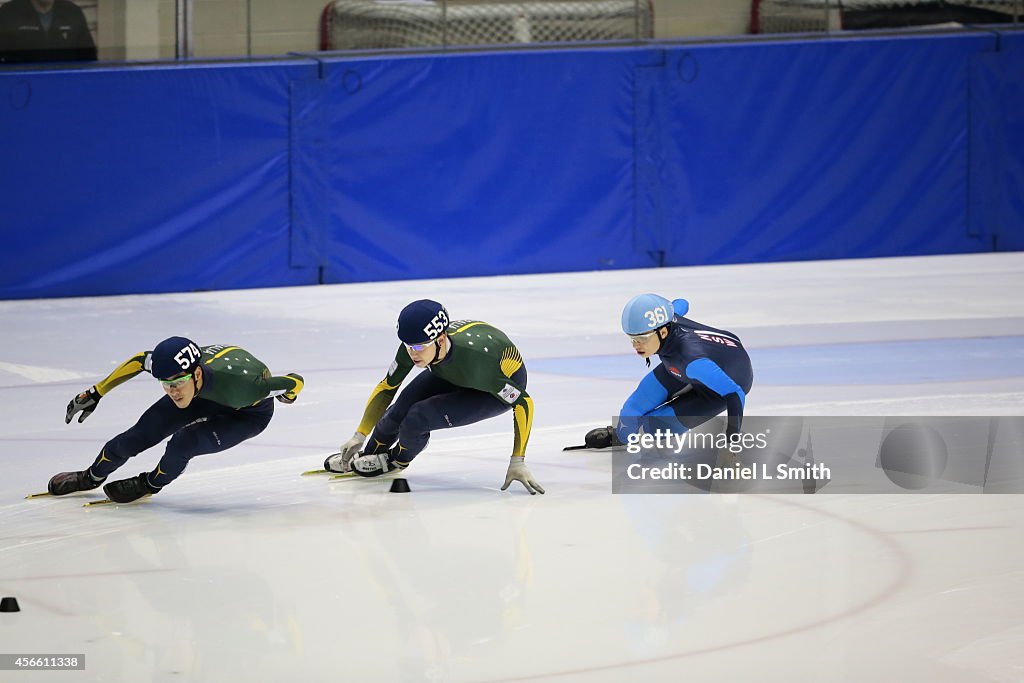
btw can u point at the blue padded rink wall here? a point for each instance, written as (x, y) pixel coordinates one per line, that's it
(243, 570)
(301, 171)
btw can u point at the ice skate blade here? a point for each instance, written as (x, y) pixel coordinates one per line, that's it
(107, 501)
(309, 473)
(47, 494)
(352, 475)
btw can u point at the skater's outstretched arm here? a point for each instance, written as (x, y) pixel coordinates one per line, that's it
(384, 393)
(286, 389)
(380, 398)
(87, 401)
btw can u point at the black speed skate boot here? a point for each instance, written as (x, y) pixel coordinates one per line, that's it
(602, 437)
(71, 482)
(127, 490)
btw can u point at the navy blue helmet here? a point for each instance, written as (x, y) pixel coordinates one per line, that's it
(175, 356)
(422, 322)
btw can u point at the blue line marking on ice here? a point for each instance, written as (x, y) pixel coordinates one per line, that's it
(894, 362)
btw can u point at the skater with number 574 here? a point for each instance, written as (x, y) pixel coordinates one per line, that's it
(215, 398)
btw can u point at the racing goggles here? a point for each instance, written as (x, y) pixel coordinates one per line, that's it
(176, 382)
(419, 347)
(641, 338)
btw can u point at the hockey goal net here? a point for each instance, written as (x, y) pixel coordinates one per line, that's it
(796, 16)
(382, 24)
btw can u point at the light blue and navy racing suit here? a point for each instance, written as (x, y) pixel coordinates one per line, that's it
(703, 371)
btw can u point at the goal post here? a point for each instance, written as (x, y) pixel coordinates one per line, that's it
(383, 24)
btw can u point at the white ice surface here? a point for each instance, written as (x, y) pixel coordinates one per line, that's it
(244, 571)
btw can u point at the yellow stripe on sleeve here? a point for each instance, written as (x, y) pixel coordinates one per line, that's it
(121, 374)
(380, 399)
(523, 418)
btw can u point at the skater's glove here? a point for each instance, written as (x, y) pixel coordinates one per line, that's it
(517, 471)
(342, 460)
(84, 403)
(293, 393)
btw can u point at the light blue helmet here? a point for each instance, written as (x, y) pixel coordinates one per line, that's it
(646, 312)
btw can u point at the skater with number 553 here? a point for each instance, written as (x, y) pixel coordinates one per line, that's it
(473, 372)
